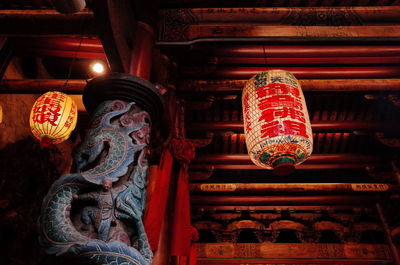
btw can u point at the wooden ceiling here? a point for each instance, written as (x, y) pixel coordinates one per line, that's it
(345, 53)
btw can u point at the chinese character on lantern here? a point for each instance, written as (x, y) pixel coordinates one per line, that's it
(276, 122)
(53, 118)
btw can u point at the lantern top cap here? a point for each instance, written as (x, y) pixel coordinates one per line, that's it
(274, 72)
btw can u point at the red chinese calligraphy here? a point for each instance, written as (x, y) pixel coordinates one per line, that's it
(285, 112)
(271, 129)
(275, 128)
(296, 128)
(278, 89)
(283, 102)
(48, 109)
(280, 101)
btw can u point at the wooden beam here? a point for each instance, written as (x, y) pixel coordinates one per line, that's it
(313, 159)
(275, 208)
(296, 51)
(62, 53)
(290, 200)
(267, 32)
(306, 166)
(116, 25)
(238, 261)
(223, 32)
(267, 188)
(62, 44)
(294, 251)
(210, 86)
(317, 126)
(46, 23)
(39, 86)
(316, 161)
(285, 22)
(77, 99)
(323, 72)
(307, 85)
(280, 14)
(60, 47)
(305, 61)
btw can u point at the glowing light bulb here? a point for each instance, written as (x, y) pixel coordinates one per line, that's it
(98, 68)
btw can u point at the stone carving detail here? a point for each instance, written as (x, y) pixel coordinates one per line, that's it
(96, 213)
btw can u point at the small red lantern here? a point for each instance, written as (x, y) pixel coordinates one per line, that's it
(53, 118)
(276, 122)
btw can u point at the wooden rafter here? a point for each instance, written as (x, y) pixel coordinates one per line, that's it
(46, 23)
(308, 85)
(338, 23)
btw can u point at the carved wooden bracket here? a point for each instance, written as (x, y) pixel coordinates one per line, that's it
(387, 140)
(197, 175)
(198, 143)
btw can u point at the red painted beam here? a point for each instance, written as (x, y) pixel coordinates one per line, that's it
(303, 188)
(244, 159)
(343, 85)
(271, 207)
(300, 51)
(63, 53)
(38, 86)
(310, 60)
(41, 22)
(284, 200)
(248, 261)
(228, 166)
(317, 126)
(331, 72)
(65, 44)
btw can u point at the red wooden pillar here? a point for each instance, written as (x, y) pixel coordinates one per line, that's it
(183, 234)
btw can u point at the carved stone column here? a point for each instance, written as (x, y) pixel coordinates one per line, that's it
(95, 213)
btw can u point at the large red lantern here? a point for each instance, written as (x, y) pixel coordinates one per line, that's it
(276, 122)
(53, 118)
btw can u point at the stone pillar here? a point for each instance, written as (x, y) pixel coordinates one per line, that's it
(95, 213)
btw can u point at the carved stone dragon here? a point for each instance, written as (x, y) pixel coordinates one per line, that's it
(96, 213)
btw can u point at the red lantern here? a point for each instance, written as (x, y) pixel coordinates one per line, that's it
(276, 122)
(53, 118)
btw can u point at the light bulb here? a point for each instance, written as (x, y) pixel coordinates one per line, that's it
(98, 68)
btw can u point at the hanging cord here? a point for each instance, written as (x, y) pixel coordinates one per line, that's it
(64, 86)
(84, 27)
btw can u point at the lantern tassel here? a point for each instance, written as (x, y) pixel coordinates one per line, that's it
(283, 166)
(46, 142)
